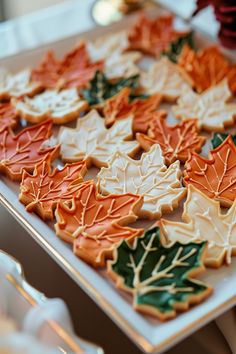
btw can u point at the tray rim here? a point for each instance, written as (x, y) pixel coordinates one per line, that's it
(113, 313)
(35, 297)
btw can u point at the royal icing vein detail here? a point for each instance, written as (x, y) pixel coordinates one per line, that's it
(204, 221)
(160, 186)
(209, 108)
(93, 142)
(62, 106)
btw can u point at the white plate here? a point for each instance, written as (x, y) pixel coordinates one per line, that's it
(149, 334)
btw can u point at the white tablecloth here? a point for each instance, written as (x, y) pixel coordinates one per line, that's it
(30, 31)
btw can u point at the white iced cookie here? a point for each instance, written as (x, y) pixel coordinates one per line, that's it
(16, 85)
(62, 106)
(160, 186)
(93, 142)
(165, 78)
(204, 221)
(210, 108)
(111, 50)
(106, 46)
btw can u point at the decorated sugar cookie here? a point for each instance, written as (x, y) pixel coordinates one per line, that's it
(143, 111)
(91, 141)
(102, 89)
(176, 141)
(207, 67)
(61, 106)
(17, 85)
(176, 48)
(210, 108)
(74, 70)
(204, 221)
(8, 116)
(96, 224)
(160, 277)
(160, 186)
(164, 78)
(153, 36)
(111, 49)
(214, 177)
(23, 151)
(218, 139)
(41, 191)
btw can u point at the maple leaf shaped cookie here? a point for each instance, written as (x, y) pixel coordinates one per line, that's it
(160, 186)
(101, 88)
(215, 177)
(41, 191)
(17, 85)
(110, 48)
(74, 70)
(143, 111)
(8, 116)
(23, 151)
(91, 141)
(176, 47)
(164, 78)
(204, 221)
(210, 108)
(205, 68)
(160, 277)
(61, 106)
(176, 141)
(153, 36)
(95, 224)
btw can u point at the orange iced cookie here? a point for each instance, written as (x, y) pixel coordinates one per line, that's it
(153, 36)
(215, 177)
(8, 116)
(96, 224)
(143, 111)
(74, 70)
(23, 151)
(41, 191)
(176, 141)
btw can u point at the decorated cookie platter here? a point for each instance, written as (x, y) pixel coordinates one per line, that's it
(119, 185)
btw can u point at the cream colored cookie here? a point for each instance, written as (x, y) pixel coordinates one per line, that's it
(17, 85)
(204, 221)
(106, 46)
(160, 186)
(91, 141)
(210, 108)
(62, 106)
(165, 78)
(121, 66)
